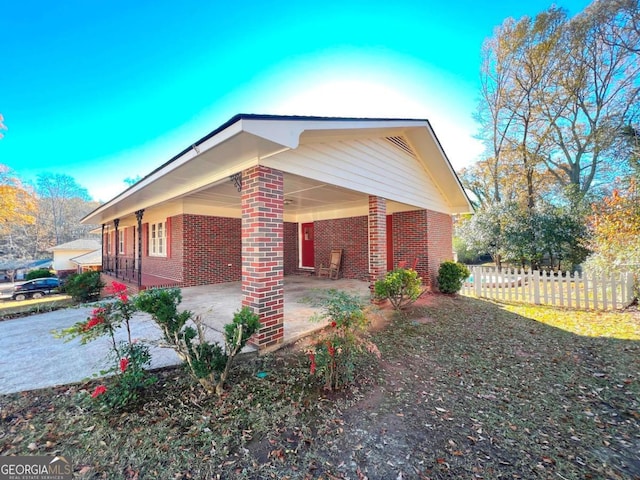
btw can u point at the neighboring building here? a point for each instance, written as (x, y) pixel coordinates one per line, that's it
(266, 196)
(64, 255)
(88, 262)
(12, 270)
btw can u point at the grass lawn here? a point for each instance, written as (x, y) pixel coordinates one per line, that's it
(13, 308)
(465, 389)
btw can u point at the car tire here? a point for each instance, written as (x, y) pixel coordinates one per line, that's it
(37, 295)
(20, 297)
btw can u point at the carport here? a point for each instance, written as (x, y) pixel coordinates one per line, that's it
(216, 304)
(263, 197)
(26, 341)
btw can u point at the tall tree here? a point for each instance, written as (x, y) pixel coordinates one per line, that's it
(555, 93)
(17, 202)
(62, 204)
(615, 223)
(624, 28)
(535, 46)
(494, 117)
(18, 209)
(631, 137)
(598, 92)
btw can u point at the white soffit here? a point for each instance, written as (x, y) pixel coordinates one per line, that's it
(249, 138)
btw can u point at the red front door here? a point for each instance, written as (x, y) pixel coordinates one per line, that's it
(389, 243)
(307, 245)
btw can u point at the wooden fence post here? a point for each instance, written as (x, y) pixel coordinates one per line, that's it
(477, 279)
(536, 287)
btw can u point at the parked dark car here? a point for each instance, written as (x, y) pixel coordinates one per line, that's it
(36, 288)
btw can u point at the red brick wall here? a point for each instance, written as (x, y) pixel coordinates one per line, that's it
(440, 241)
(169, 267)
(409, 240)
(263, 251)
(377, 237)
(426, 235)
(349, 234)
(210, 245)
(290, 248)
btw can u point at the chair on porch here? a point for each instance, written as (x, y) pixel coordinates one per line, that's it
(403, 264)
(335, 262)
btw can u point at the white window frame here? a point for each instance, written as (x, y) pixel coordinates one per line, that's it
(121, 241)
(158, 239)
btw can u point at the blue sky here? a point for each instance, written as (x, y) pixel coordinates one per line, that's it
(103, 90)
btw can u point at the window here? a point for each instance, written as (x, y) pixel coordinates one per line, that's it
(108, 243)
(158, 239)
(121, 234)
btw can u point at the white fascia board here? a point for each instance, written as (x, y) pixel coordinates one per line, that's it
(226, 134)
(443, 172)
(288, 132)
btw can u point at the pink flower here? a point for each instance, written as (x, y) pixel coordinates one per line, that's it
(123, 297)
(333, 324)
(312, 357)
(331, 349)
(93, 321)
(116, 288)
(124, 363)
(100, 389)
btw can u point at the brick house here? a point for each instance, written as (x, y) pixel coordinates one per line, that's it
(265, 196)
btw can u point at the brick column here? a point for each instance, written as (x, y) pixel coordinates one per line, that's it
(262, 251)
(377, 238)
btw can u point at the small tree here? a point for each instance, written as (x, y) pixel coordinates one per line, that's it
(615, 243)
(401, 287)
(208, 362)
(335, 356)
(84, 287)
(451, 276)
(129, 358)
(39, 273)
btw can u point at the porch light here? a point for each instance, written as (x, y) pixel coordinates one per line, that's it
(288, 201)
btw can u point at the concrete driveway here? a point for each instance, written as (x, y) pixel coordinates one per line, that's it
(32, 358)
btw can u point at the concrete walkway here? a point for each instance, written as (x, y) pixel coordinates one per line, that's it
(31, 358)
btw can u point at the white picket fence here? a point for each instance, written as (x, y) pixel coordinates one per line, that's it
(580, 291)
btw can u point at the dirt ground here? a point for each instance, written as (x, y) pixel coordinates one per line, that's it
(464, 389)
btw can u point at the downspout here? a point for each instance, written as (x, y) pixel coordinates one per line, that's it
(116, 242)
(139, 214)
(103, 246)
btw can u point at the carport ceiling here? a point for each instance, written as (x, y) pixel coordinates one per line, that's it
(301, 195)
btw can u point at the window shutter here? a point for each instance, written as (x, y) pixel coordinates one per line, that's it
(167, 234)
(145, 239)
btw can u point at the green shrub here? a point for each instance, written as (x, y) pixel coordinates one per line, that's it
(337, 355)
(451, 276)
(208, 362)
(401, 287)
(40, 273)
(129, 358)
(84, 287)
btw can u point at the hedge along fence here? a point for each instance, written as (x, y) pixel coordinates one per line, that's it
(562, 289)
